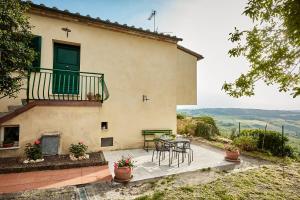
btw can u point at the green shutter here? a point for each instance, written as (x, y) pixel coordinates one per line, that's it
(36, 44)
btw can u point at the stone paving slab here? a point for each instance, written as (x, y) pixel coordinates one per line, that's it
(146, 169)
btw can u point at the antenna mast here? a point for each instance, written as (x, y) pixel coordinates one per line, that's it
(152, 15)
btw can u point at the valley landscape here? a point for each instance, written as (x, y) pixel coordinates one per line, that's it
(228, 120)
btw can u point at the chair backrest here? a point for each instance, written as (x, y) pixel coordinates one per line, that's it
(161, 145)
(184, 145)
(165, 136)
(158, 144)
(187, 145)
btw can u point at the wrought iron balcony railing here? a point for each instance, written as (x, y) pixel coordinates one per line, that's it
(56, 84)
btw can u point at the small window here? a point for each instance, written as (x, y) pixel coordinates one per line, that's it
(10, 136)
(104, 125)
(106, 142)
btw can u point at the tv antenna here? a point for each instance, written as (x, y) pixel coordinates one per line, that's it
(152, 15)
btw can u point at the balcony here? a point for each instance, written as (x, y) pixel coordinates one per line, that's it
(66, 85)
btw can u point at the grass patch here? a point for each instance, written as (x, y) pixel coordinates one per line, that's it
(145, 197)
(163, 182)
(206, 169)
(170, 178)
(157, 195)
(266, 182)
(187, 189)
(152, 184)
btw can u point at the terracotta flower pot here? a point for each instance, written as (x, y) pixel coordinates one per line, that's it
(123, 173)
(8, 145)
(232, 155)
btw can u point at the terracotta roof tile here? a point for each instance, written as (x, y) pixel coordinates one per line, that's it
(108, 22)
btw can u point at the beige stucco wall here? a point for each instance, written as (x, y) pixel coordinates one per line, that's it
(132, 65)
(76, 124)
(186, 83)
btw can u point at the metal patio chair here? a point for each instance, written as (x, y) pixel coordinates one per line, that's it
(161, 147)
(184, 149)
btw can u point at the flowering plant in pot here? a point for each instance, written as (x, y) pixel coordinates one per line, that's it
(123, 169)
(232, 152)
(78, 151)
(33, 152)
(8, 143)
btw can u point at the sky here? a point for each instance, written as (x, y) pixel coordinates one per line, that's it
(204, 26)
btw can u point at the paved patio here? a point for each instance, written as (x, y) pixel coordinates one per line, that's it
(145, 169)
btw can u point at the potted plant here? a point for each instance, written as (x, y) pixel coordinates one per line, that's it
(98, 97)
(33, 152)
(123, 169)
(8, 143)
(232, 153)
(78, 151)
(90, 96)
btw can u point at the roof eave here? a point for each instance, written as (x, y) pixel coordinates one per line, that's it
(197, 55)
(43, 10)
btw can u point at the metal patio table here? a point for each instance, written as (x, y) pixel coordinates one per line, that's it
(174, 143)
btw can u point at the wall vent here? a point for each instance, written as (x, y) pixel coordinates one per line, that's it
(107, 142)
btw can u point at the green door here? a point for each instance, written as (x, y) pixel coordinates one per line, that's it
(66, 65)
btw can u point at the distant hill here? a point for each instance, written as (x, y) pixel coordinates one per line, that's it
(228, 119)
(245, 113)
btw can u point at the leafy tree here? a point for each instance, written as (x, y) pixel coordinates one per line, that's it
(15, 39)
(272, 47)
(210, 121)
(180, 116)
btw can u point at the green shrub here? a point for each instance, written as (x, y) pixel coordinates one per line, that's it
(33, 151)
(233, 133)
(186, 126)
(204, 130)
(190, 129)
(180, 116)
(210, 121)
(269, 140)
(246, 143)
(198, 126)
(289, 151)
(206, 127)
(78, 149)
